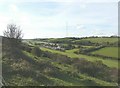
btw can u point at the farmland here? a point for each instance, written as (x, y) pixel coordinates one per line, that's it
(70, 53)
(100, 40)
(108, 51)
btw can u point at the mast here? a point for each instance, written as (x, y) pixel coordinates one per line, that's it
(66, 29)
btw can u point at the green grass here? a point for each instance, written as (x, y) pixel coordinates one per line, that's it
(63, 79)
(26, 69)
(88, 46)
(70, 53)
(82, 79)
(100, 40)
(107, 51)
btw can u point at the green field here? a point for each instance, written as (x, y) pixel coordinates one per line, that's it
(88, 46)
(107, 51)
(100, 40)
(70, 53)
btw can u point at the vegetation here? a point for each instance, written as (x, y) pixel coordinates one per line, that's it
(13, 32)
(70, 53)
(36, 51)
(94, 41)
(107, 51)
(39, 63)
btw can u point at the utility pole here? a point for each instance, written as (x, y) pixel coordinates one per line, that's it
(66, 29)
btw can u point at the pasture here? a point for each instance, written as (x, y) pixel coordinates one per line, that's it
(70, 53)
(100, 40)
(107, 51)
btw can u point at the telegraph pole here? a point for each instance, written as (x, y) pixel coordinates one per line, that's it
(66, 29)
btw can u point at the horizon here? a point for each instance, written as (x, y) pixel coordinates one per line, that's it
(80, 37)
(111, 36)
(59, 19)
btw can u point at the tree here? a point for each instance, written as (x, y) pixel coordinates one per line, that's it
(13, 31)
(12, 36)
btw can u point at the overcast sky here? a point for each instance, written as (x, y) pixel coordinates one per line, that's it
(51, 18)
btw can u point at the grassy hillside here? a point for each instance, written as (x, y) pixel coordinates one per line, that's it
(30, 64)
(86, 40)
(70, 53)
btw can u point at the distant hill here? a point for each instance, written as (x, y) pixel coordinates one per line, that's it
(114, 40)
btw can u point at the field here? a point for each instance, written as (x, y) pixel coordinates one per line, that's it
(107, 51)
(50, 62)
(110, 63)
(100, 40)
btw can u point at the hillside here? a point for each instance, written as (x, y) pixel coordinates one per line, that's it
(44, 63)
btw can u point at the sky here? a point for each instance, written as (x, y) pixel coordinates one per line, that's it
(60, 18)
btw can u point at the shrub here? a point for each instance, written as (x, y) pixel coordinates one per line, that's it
(26, 47)
(36, 51)
(96, 69)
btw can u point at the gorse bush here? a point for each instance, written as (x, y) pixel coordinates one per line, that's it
(96, 69)
(26, 47)
(36, 51)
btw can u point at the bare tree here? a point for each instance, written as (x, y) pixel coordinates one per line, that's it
(13, 31)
